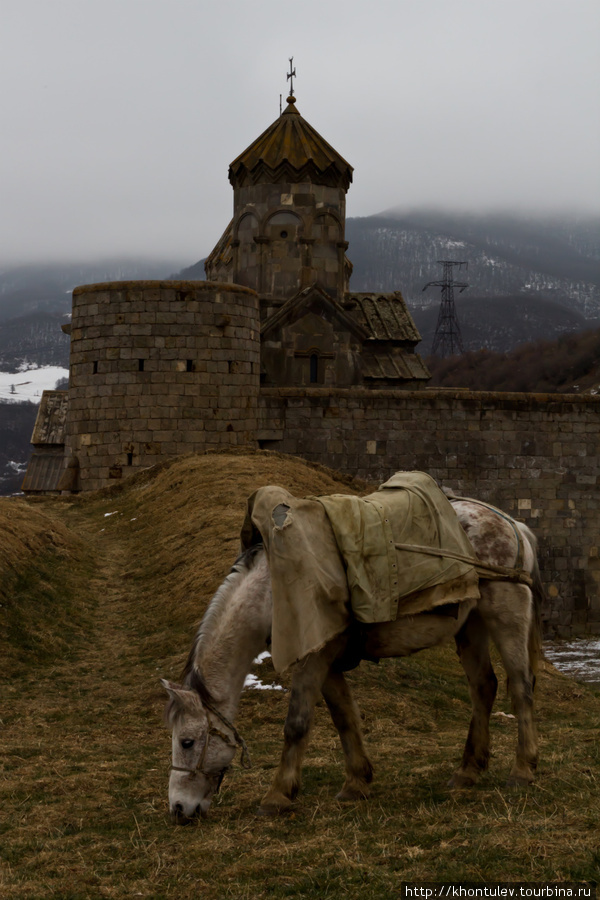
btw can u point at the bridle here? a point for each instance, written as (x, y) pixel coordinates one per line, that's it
(213, 731)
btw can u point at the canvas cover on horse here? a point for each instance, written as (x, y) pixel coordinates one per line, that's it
(333, 559)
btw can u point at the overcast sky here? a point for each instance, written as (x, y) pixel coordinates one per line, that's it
(119, 118)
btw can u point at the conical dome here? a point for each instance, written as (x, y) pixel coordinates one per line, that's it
(290, 150)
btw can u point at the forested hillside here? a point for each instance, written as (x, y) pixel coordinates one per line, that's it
(570, 364)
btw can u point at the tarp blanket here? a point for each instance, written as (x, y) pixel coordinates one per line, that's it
(332, 559)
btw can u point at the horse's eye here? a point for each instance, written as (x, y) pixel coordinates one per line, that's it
(187, 743)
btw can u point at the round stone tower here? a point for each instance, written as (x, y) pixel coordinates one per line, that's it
(158, 369)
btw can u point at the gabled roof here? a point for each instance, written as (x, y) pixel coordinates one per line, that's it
(290, 150)
(384, 316)
(303, 301)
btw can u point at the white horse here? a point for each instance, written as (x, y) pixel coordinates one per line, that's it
(237, 627)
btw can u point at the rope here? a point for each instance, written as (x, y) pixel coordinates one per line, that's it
(245, 757)
(486, 571)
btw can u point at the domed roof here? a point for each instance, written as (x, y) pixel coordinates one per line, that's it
(290, 150)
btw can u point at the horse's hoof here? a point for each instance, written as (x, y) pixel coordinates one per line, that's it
(352, 795)
(519, 781)
(460, 780)
(267, 812)
(274, 805)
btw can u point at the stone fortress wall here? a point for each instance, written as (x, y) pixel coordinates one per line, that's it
(533, 455)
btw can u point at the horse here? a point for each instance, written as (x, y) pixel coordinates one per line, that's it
(236, 627)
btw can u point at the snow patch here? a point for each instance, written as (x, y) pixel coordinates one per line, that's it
(579, 658)
(253, 683)
(27, 384)
(16, 467)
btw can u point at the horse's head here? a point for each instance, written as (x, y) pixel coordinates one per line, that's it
(203, 749)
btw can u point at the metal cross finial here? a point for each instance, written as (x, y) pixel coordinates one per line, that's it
(290, 77)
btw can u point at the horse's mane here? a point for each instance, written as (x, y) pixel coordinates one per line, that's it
(191, 676)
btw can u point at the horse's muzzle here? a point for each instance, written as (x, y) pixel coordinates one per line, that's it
(178, 817)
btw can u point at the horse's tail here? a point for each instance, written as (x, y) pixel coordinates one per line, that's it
(536, 653)
(534, 643)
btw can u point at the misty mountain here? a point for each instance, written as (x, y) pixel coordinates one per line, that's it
(47, 288)
(36, 338)
(555, 260)
(35, 300)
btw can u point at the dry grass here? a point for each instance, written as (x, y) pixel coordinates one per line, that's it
(85, 758)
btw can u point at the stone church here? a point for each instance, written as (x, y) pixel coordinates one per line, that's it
(156, 366)
(287, 242)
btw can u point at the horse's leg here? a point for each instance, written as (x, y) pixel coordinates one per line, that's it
(472, 645)
(307, 681)
(508, 611)
(346, 718)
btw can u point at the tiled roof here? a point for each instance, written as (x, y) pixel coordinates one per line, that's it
(384, 316)
(290, 150)
(44, 471)
(389, 366)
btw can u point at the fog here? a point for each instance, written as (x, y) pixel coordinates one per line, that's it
(120, 117)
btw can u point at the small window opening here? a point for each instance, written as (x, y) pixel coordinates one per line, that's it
(314, 368)
(95, 369)
(189, 365)
(130, 459)
(283, 234)
(140, 365)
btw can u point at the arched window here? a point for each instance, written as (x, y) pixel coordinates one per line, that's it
(283, 225)
(247, 227)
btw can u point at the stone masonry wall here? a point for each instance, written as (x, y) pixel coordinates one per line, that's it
(533, 455)
(157, 369)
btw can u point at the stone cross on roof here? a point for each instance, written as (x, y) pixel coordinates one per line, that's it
(290, 76)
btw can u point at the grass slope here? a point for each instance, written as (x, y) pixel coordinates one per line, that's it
(126, 574)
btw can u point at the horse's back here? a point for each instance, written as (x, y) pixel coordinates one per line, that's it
(496, 538)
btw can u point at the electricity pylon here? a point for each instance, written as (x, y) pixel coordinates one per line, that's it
(447, 340)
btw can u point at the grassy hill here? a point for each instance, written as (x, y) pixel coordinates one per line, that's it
(100, 596)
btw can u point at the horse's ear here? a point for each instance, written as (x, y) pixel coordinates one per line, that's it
(180, 698)
(170, 687)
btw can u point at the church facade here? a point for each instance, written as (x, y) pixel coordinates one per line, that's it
(286, 241)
